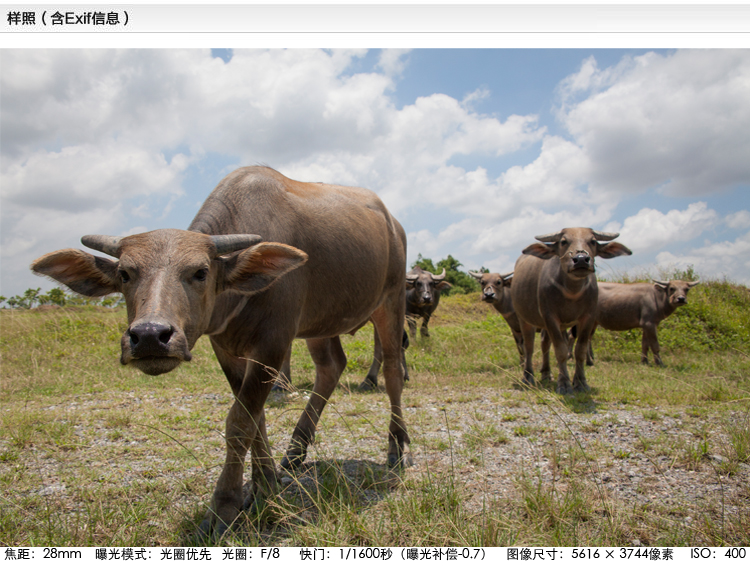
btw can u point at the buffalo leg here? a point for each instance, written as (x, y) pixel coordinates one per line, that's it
(590, 350)
(412, 322)
(371, 379)
(528, 350)
(424, 331)
(518, 338)
(560, 344)
(389, 325)
(284, 380)
(546, 342)
(581, 351)
(651, 341)
(330, 361)
(245, 429)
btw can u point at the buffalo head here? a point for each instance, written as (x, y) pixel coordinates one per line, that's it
(425, 285)
(577, 248)
(170, 280)
(676, 290)
(492, 284)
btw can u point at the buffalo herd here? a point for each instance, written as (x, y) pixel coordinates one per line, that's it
(268, 259)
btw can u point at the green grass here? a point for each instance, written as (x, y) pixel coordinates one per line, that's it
(92, 453)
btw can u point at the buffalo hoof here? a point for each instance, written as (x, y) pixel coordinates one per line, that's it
(293, 459)
(528, 379)
(367, 385)
(564, 389)
(581, 387)
(212, 529)
(399, 462)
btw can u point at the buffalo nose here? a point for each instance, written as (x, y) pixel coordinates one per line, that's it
(150, 338)
(581, 260)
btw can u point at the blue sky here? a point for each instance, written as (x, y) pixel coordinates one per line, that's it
(474, 151)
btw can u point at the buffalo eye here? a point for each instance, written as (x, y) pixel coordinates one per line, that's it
(123, 275)
(201, 275)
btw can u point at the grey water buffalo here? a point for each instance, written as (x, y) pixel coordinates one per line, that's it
(332, 258)
(623, 306)
(496, 291)
(422, 298)
(554, 287)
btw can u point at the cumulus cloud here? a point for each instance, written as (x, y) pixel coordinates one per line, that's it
(730, 259)
(653, 230)
(676, 122)
(114, 136)
(739, 219)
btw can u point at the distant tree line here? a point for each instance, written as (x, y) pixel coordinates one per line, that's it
(34, 298)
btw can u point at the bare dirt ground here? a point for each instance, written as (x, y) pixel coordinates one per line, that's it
(492, 443)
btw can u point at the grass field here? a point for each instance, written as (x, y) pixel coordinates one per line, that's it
(95, 454)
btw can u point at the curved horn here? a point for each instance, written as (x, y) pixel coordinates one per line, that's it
(605, 236)
(231, 243)
(476, 275)
(507, 276)
(438, 277)
(661, 283)
(552, 237)
(109, 245)
(694, 283)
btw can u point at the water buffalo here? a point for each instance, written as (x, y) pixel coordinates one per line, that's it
(554, 287)
(332, 258)
(496, 291)
(422, 298)
(623, 306)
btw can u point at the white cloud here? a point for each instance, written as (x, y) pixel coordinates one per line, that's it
(103, 136)
(739, 220)
(651, 230)
(676, 121)
(714, 261)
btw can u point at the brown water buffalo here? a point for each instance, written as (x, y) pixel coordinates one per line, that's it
(332, 258)
(422, 298)
(554, 287)
(496, 291)
(623, 306)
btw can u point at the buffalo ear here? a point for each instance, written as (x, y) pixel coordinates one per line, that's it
(612, 249)
(259, 267)
(443, 285)
(541, 251)
(82, 272)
